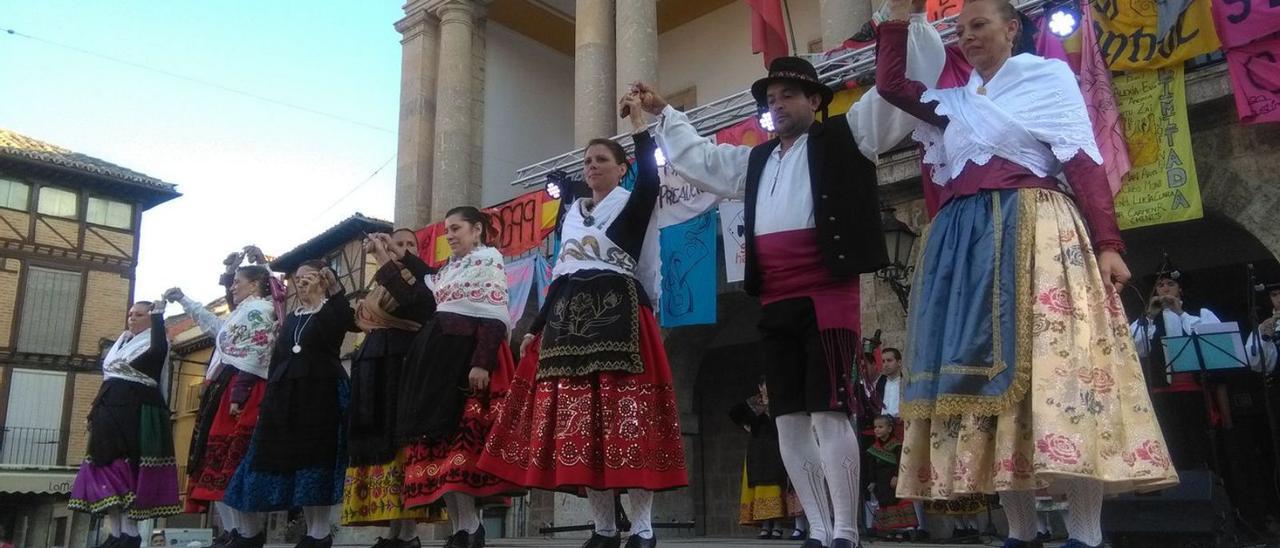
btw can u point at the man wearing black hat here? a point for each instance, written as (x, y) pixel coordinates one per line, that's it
(1262, 347)
(812, 227)
(1165, 317)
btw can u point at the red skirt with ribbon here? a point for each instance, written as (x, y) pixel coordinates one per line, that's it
(604, 430)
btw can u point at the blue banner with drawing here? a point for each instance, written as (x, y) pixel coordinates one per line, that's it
(689, 271)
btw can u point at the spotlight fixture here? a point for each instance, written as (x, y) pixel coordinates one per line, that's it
(1063, 19)
(766, 121)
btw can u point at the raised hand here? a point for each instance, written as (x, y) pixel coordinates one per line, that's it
(329, 281)
(650, 101)
(254, 255)
(173, 295)
(629, 106)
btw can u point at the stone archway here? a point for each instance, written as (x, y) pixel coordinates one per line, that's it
(1238, 167)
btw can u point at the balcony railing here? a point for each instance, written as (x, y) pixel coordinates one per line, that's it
(32, 446)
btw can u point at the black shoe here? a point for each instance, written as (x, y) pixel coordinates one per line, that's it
(918, 535)
(111, 542)
(477, 538)
(459, 539)
(221, 541)
(765, 534)
(845, 543)
(309, 541)
(387, 543)
(812, 543)
(637, 541)
(240, 541)
(127, 541)
(799, 535)
(601, 541)
(777, 534)
(415, 543)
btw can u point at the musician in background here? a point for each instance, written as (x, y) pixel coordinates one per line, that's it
(1262, 354)
(1165, 317)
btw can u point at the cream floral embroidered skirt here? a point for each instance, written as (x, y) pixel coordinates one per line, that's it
(1074, 402)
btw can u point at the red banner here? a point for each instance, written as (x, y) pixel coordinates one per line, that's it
(747, 132)
(521, 225)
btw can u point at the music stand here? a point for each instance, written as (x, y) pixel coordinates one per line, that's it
(1212, 347)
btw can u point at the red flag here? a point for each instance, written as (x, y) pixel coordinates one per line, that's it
(768, 29)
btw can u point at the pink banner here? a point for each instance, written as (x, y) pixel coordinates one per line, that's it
(1095, 84)
(1242, 21)
(1255, 77)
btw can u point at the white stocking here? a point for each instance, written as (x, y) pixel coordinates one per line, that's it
(919, 507)
(1042, 523)
(641, 512)
(228, 516)
(1020, 510)
(465, 508)
(113, 520)
(841, 462)
(319, 520)
(129, 526)
(1084, 510)
(406, 530)
(800, 457)
(603, 513)
(802, 524)
(249, 524)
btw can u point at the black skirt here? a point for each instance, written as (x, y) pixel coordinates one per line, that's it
(375, 377)
(114, 422)
(298, 424)
(433, 384)
(764, 458)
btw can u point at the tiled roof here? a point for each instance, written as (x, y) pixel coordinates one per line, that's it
(345, 231)
(21, 147)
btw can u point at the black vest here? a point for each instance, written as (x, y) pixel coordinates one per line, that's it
(846, 203)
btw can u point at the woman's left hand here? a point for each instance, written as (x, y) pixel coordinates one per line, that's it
(1114, 272)
(478, 379)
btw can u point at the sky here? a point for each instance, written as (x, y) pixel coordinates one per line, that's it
(251, 171)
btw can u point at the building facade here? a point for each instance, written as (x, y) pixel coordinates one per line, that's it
(69, 230)
(490, 87)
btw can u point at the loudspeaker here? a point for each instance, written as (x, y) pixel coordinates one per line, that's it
(1196, 513)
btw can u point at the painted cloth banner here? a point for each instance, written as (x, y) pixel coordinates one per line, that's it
(1128, 34)
(520, 275)
(542, 275)
(747, 132)
(521, 225)
(1242, 21)
(1255, 80)
(689, 272)
(523, 222)
(733, 227)
(1162, 186)
(679, 201)
(1095, 84)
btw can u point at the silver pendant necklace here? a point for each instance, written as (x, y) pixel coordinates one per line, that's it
(297, 333)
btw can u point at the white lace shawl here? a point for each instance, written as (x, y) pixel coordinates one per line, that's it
(1032, 115)
(475, 286)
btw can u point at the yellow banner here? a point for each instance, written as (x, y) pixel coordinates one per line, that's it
(1162, 186)
(1129, 40)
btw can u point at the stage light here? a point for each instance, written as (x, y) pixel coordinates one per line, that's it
(1063, 21)
(659, 157)
(766, 122)
(555, 184)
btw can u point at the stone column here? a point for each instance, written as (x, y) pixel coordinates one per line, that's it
(637, 45)
(416, 148)
(842, 19)
(593, 74)
(452, 183)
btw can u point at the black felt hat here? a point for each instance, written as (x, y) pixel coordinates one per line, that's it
(796, 70)
(1169, 272)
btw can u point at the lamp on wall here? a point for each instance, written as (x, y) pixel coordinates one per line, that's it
(899, 239)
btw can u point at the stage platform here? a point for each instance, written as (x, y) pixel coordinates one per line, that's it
(692, 543)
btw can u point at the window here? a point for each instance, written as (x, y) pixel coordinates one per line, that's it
(49, 306)
(109, 213)
(13, 194)
(57, 202)
(33, 420)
